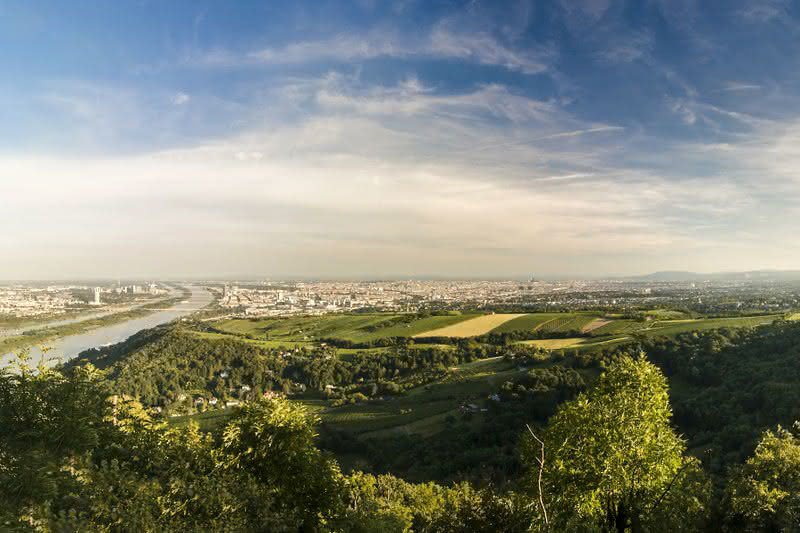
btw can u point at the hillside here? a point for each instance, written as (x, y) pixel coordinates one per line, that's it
(368, 330)
(382, 407)
(425, 416)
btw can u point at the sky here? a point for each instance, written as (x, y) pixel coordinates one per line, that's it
(397, 138)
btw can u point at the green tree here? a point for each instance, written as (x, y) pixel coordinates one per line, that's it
(274, 441)
(45, 417)
(73, 459)
(764, 493)
(612, 460)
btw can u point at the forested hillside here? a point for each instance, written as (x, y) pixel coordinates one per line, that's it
(691, 432)
(727, 386)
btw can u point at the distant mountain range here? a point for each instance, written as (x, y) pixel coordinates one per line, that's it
(680, 275)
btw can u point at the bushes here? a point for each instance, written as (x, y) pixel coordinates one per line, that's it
(115, 469)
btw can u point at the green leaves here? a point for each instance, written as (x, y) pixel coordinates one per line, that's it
(764, 493)
(613, 459)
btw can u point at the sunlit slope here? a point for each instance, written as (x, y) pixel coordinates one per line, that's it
(366, 328)
(471, 328)
(351, 327)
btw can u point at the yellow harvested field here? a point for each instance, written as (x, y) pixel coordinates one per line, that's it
(594, 324)
(571, 342)
(556, 344)
(472, 327)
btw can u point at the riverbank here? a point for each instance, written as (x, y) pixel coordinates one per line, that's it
(41, 336)
(13, 325)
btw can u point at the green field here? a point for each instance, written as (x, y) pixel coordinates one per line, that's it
(674, 327)
(416, 327)
(622, 330)
(423, 410)
(566, 323)
(619, 327)
(666, 314)
(355, 328)
(286, 343)
(370, 327)
(367, 328)
(576, 342)
(424, 406)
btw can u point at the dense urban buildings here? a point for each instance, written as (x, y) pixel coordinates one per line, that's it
(275, 298)
(32, 300)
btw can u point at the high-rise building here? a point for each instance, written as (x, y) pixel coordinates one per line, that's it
(96, 296)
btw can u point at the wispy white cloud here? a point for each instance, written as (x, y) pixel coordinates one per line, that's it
(625, 47)
(684, 110)
(576, 133)
(442, 42)
(343, 47)
(339, 93)
(693, 110)
(349, 180)
(538, 162)
(734, 86)
(764, 11)
(484, 49)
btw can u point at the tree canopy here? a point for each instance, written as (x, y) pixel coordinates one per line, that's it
(764, 493)
(613, 460)
(80, 452)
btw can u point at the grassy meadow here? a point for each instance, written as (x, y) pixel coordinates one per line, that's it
(581, 329)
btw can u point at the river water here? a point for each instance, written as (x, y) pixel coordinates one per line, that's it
(68, 347)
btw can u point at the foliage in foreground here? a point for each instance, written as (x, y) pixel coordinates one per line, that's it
(615, 462)
(74, 458)
(764, 494)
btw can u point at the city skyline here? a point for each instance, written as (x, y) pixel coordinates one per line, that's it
(386, 140)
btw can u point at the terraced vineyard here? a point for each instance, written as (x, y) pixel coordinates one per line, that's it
(620, 327)
(416, 327)
(367, 328)
(674, 327)
(355, 328)
(567, 323)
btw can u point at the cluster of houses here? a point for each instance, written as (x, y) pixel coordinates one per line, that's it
(475, 408)
(201, 402)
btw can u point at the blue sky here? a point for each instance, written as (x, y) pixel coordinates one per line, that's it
(346, 139)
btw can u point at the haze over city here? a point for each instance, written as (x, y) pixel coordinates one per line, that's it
(374, 139)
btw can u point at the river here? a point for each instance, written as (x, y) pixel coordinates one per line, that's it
(70, 346)
(113, 310)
